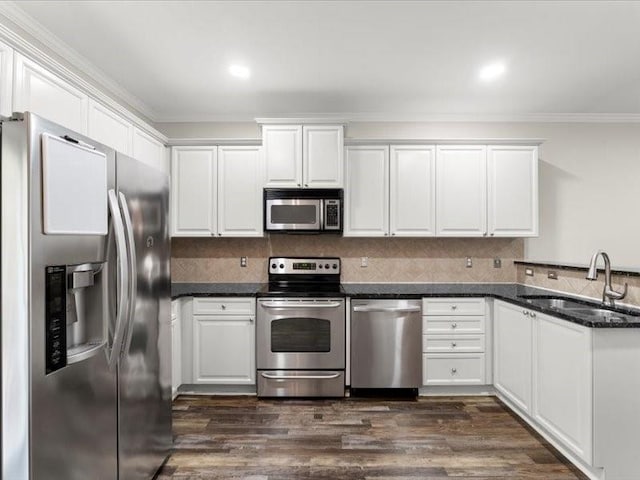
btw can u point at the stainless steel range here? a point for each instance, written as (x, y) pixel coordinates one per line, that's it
(300, 329)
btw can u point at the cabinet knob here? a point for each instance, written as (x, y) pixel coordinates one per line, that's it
(393, 233)
(533, 315)
(454, 371)
(299, 184)
(454, 344)
(224, 307)
(492, 234)
(454, 307)
(525, 312)
(454, 325)
(306, 184)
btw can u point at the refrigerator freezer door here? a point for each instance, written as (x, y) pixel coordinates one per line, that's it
(73, 410)
(145, 365)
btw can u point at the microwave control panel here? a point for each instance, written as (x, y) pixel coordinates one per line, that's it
(332, 215)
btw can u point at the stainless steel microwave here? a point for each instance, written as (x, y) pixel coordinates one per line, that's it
(294, 210)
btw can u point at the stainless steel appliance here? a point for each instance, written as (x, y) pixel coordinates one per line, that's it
(300, 329)
(386, 344)
(293, 210)
(85, 308)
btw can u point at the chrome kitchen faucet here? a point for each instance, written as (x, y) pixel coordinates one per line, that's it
(609, 295)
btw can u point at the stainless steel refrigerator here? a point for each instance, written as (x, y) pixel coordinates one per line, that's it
(86, 380)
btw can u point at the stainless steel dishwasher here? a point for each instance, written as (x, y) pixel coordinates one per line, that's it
(386, 344)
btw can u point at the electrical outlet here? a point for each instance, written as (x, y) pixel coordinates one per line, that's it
(497, 263)
(552, 275)
(528, 272)
(243, 261)
(469, 262)
(364, 262)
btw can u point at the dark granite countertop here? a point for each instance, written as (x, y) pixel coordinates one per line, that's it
(510, 292)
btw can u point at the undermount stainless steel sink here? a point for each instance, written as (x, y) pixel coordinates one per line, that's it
(553, 303)
(604, 314)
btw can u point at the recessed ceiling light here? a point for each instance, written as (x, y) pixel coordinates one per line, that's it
(492, 71)
(240, 71)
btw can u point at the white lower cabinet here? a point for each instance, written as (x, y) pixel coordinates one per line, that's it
(453, 341)
(562, 382)
(176, 347)
(513, 356)
(224, 343)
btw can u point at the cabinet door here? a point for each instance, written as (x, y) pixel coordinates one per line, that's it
(176, 355)
(148, 150)
(110, 128)
(223, 350)
(6, 79)
(512, 346)
(367, 192)
(562, 382)
(322, 160)
(412, 211)
(41, 92)
(240, 178)
(461, 190)
(193, 191)
(283, 155)
(513, 191)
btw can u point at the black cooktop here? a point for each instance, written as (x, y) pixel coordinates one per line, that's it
(278, 289)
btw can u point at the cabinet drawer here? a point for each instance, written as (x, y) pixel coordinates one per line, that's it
(453, 369)
(225, 306)
(453, 344)
(452, 324)
(453, 306)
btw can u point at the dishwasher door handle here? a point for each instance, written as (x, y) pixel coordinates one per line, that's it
(386, 310)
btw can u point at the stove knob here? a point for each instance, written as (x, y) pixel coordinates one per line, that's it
(319, 266)
(335, 266)
(273, 265)
(282, 265)
(326, 266)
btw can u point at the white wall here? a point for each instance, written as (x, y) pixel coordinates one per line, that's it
(589, 179)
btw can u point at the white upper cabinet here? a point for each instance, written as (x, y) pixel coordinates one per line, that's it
(193, 190)
(43, 93)
(412, 191)
(240, 179)
(513, 191)
(148, 150)
(283, 155)
(322, 159)
(309, 156)
(367, 191)
(461, 190)
(109, 128)
(513, 353)
(6, 79)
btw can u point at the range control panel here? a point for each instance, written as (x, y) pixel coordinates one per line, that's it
(55, 317)
(306, 266)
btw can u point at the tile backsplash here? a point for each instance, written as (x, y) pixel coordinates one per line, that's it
(574, 282)
(389, 259)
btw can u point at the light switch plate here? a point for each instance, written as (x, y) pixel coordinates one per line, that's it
(243, 261)
(469, 262)
(528, 272)
(497, 263)
(364, 262)
(552, 275)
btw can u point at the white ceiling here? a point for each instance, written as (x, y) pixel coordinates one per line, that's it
(358, 59)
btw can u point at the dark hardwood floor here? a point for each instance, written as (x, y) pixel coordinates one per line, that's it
(357, 439)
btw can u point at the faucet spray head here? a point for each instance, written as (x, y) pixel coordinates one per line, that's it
(592, 274)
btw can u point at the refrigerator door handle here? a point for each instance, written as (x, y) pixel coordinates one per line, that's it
(123, 280)
(133, 283)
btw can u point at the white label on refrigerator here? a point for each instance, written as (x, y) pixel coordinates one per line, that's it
(74, 188)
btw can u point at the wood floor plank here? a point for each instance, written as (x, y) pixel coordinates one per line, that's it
(246, 438)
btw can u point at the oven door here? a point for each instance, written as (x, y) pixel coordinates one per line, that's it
(299, 334)
(293, 214)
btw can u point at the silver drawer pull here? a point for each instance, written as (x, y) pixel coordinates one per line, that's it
(454, 307)
(454, 371)
(224, 307)
(391, 310)
(300, 305)
(270, 376)
(454, 325)
(454, 344)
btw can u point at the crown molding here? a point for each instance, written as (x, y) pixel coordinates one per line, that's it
(303, 121)
(209, 142)
(354, 142)
(14, 15)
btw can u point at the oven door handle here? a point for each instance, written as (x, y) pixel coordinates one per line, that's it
(300, 305)
(271, 376)
(392, 310)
